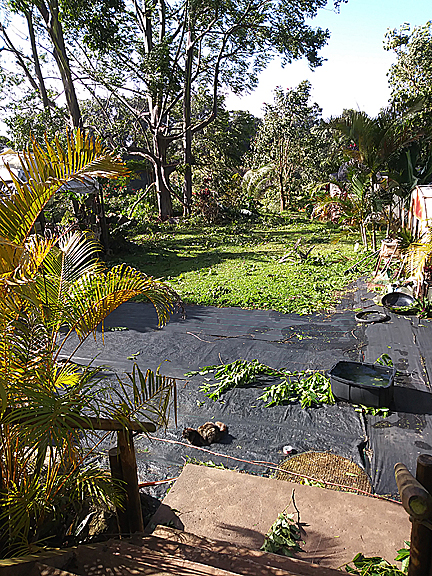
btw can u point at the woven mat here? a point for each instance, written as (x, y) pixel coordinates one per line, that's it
(325, 467)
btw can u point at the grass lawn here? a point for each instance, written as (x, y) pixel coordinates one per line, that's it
(238, 264)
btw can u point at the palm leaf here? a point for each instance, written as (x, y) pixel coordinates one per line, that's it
(144, 396)
(45, 173)
(94, 296)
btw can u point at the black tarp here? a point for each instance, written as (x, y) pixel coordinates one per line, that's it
(209, 336)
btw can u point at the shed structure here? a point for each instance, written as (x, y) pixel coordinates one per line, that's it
(420, 214)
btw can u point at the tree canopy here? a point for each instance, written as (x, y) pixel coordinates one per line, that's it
(410, 77)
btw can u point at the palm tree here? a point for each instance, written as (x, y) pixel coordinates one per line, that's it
(371, 144)
(47, 284)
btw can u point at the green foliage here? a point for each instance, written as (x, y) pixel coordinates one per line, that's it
(239, 264)
(47, 285)
(294, 144)
(384, 360)
(410, 77)
(376, 566)
(284, 536)
(383, 412)
(100, 23)
(235, 374)
(218, 151)
(208, 463)
(25, 118)
(370, 145)
(404, 556)
(308, 387)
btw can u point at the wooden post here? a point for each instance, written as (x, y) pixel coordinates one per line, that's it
(117, 474)
(130, 477)
(421, 537)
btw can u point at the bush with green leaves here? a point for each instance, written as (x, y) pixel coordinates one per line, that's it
(53, 287)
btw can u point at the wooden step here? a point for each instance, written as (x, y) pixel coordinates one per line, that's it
(45, 570)
(123, 559)
(263, 559)
(203, 557)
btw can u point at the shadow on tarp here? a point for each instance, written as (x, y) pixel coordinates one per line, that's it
(411, 401)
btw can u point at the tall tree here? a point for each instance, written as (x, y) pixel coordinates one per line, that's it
(182, 44)
(286, 137)
(410, 77)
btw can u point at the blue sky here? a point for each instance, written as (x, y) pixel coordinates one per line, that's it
(354, 75)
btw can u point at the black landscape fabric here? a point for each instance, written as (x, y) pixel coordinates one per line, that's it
(207, 336)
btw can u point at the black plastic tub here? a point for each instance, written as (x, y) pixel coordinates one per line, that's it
(361, 383)
(399, 302)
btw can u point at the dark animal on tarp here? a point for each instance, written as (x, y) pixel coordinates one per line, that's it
(206, 434)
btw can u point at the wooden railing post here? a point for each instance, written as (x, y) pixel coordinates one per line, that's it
(130, 477)
(117, 474)
(421, 536)
(416, 496)
(123, 465)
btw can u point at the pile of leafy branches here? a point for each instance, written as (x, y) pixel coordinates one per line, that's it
(283, 537)
(377, 566)
(310, 388)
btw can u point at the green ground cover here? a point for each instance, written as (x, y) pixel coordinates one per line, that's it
(239, 264)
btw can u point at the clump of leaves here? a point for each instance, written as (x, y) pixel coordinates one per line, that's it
(377, 566)
(284, 536)
(309, 387)
(383, 412)
(424, 308)
(233, 375)
(384, 360)
(208, 463)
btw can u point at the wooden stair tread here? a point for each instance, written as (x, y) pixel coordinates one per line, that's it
(229, 563)
(290, 565)
(126, 558)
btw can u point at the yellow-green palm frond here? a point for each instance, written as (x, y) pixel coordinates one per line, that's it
(20, 264)
(74, 256)
(94, 296)
(146, 396)
(46, 172)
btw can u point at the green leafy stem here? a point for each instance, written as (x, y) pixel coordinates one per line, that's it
(309, 387)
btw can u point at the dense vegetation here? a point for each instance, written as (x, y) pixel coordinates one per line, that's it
(223, 208)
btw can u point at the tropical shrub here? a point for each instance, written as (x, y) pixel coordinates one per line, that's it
(50, 288)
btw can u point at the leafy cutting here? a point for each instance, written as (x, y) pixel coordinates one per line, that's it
(362, 409)
(309, 387)
(284, 536)
(377, 566)
(233, 375)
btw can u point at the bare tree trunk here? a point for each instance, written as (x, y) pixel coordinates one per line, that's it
(364, 235)
(42, 88)
(163, 194)
(187, 138)
(373, 236)
(55, 31)
(161, 177)
(282, 192)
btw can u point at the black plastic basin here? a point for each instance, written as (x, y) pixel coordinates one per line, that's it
(361, 383)
(395, 300)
